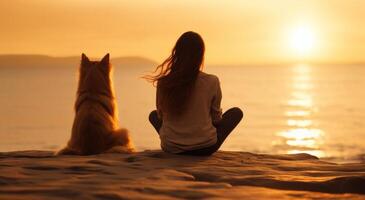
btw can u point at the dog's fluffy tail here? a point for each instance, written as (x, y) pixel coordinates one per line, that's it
(120, 149)
(123, 142)
(67, 151)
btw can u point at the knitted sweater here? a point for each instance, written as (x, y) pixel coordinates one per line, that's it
(193, 129)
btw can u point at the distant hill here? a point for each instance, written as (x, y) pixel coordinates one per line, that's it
(29, 61)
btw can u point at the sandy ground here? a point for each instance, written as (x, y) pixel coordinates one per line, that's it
(158, 175)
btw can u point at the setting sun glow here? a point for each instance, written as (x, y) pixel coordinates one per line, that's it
(245, 32)
(302, 40)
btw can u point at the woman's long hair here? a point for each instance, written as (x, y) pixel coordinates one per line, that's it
(177, 74)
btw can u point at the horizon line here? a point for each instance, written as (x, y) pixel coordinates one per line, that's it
(275, 63)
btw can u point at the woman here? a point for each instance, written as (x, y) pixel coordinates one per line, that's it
(189, 117)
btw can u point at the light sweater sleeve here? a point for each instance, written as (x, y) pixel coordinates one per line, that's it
(216, 110)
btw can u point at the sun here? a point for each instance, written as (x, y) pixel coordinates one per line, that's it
(302, 40)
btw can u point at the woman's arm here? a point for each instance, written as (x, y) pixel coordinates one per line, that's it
(216, 110)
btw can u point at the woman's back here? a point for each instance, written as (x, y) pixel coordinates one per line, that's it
(193, 128)
(188, 118)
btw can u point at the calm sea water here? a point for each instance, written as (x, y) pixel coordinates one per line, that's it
(288, 109)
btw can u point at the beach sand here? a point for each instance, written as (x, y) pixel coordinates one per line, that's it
(158, 175)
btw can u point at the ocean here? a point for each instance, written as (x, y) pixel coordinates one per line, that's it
(315, 109)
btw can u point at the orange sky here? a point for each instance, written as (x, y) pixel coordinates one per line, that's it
(235, 32)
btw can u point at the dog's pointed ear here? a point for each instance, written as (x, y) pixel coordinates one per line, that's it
(105, 60)
(84, 59)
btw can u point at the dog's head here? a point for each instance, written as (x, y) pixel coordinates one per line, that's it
(95, 76)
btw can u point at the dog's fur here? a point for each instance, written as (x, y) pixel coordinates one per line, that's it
(95, 128)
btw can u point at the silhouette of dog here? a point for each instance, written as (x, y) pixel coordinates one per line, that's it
(95, 128)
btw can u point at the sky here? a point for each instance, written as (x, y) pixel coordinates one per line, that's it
(234, 31)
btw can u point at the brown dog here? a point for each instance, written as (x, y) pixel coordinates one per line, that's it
(95, 128)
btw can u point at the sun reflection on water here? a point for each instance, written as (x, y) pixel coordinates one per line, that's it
(299, 123)
(297, 113)
(307, 102)
(302, 86)
(301, 135)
